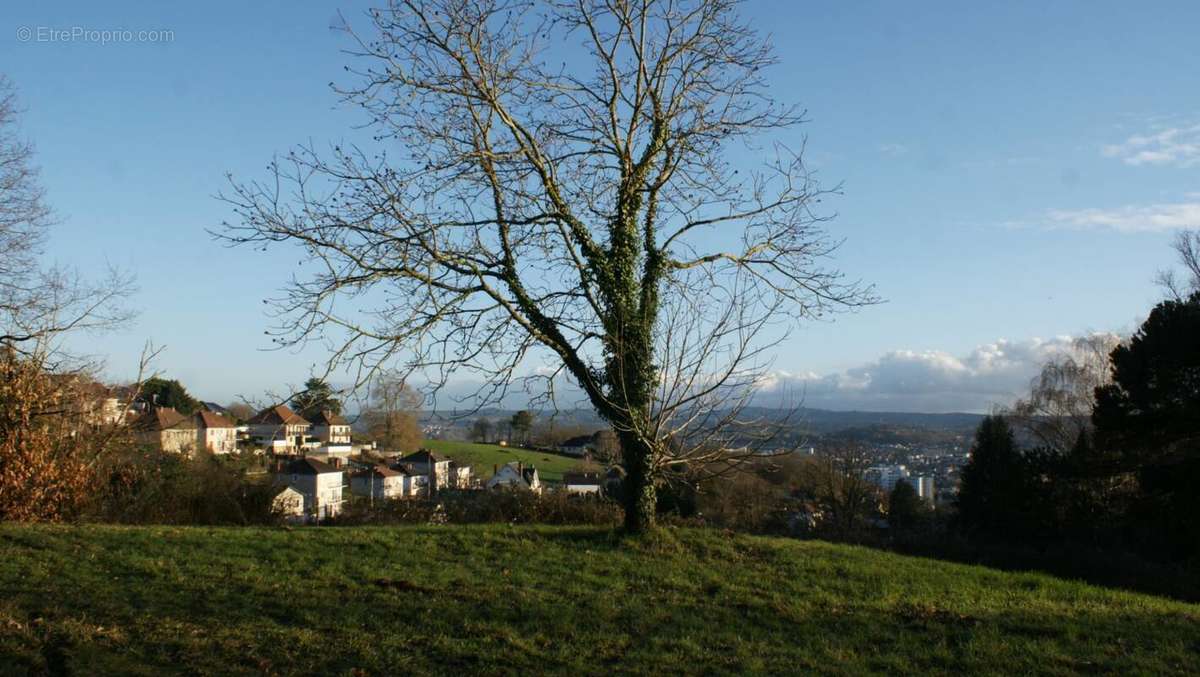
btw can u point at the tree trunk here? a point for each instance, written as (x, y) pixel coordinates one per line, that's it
(638, 496)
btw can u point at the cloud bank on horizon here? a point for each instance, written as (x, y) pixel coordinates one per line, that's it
(928, 381)
(909, 381)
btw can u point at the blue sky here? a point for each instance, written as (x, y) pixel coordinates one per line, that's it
(1012, 175)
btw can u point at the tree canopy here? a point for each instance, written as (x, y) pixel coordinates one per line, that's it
(316, 397)
(1150, 416)
(533, 222)
(161, 392)
(997, 485)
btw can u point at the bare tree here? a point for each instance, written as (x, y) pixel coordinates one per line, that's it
(584, 215)
(392, 413)
(1059, 406)
(1187, 247)
(38, 304)
(842, 489)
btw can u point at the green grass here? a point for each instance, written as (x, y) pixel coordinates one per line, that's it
(483, 457)
(499, 599)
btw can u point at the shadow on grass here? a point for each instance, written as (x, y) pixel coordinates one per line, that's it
(1108, 568)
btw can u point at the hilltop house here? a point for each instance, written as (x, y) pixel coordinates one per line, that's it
(516, 475)
(582, 483)
(320, 484)
(166, 429)
(215, 432)
(280, 430)
(333, 433)
(428, 463)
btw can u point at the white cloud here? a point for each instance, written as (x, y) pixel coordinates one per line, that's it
(1130, 218)
(1174, 146)
(893, 149)
(925, 381)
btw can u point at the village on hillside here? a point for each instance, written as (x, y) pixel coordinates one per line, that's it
(316, 464)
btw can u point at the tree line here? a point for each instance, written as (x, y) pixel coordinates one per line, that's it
(1106, 449)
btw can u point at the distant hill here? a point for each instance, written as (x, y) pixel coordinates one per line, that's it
(824, 420)
(812, 420)
(505, 599)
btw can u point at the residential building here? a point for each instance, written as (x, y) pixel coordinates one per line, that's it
(319, 483)
(332, 435)
(582, 483)
(381, 482)
(428, 463)
(279, 430)
(516, 475)
(330, 429)
(215, 432)
(167, 429)
(288, 504)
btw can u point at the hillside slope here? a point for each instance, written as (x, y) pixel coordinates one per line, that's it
(526, 600)
(484, 457)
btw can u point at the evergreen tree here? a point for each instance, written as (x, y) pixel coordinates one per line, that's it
(997, 486)
(1150, 417)
(906, 509)
(316, 397)
(161, 392)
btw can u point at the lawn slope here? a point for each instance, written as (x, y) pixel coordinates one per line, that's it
(484, 457)
(530, 600)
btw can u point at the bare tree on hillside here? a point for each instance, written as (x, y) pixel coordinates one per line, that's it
(843, 490)
(585, 215)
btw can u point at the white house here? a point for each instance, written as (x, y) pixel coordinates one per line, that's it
(381, 482)
(333, 433)
(279, 429)
(288, 504)
(430, 464)
(319, 483)
(516, 475)
(215, 432)
(582, 483)
(167, 429)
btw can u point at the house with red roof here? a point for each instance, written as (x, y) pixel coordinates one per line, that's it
(280, 430)
(215, 432)
(166, 429)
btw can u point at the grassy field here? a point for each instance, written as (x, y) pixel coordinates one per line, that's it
(526, 600)
(483, 457)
